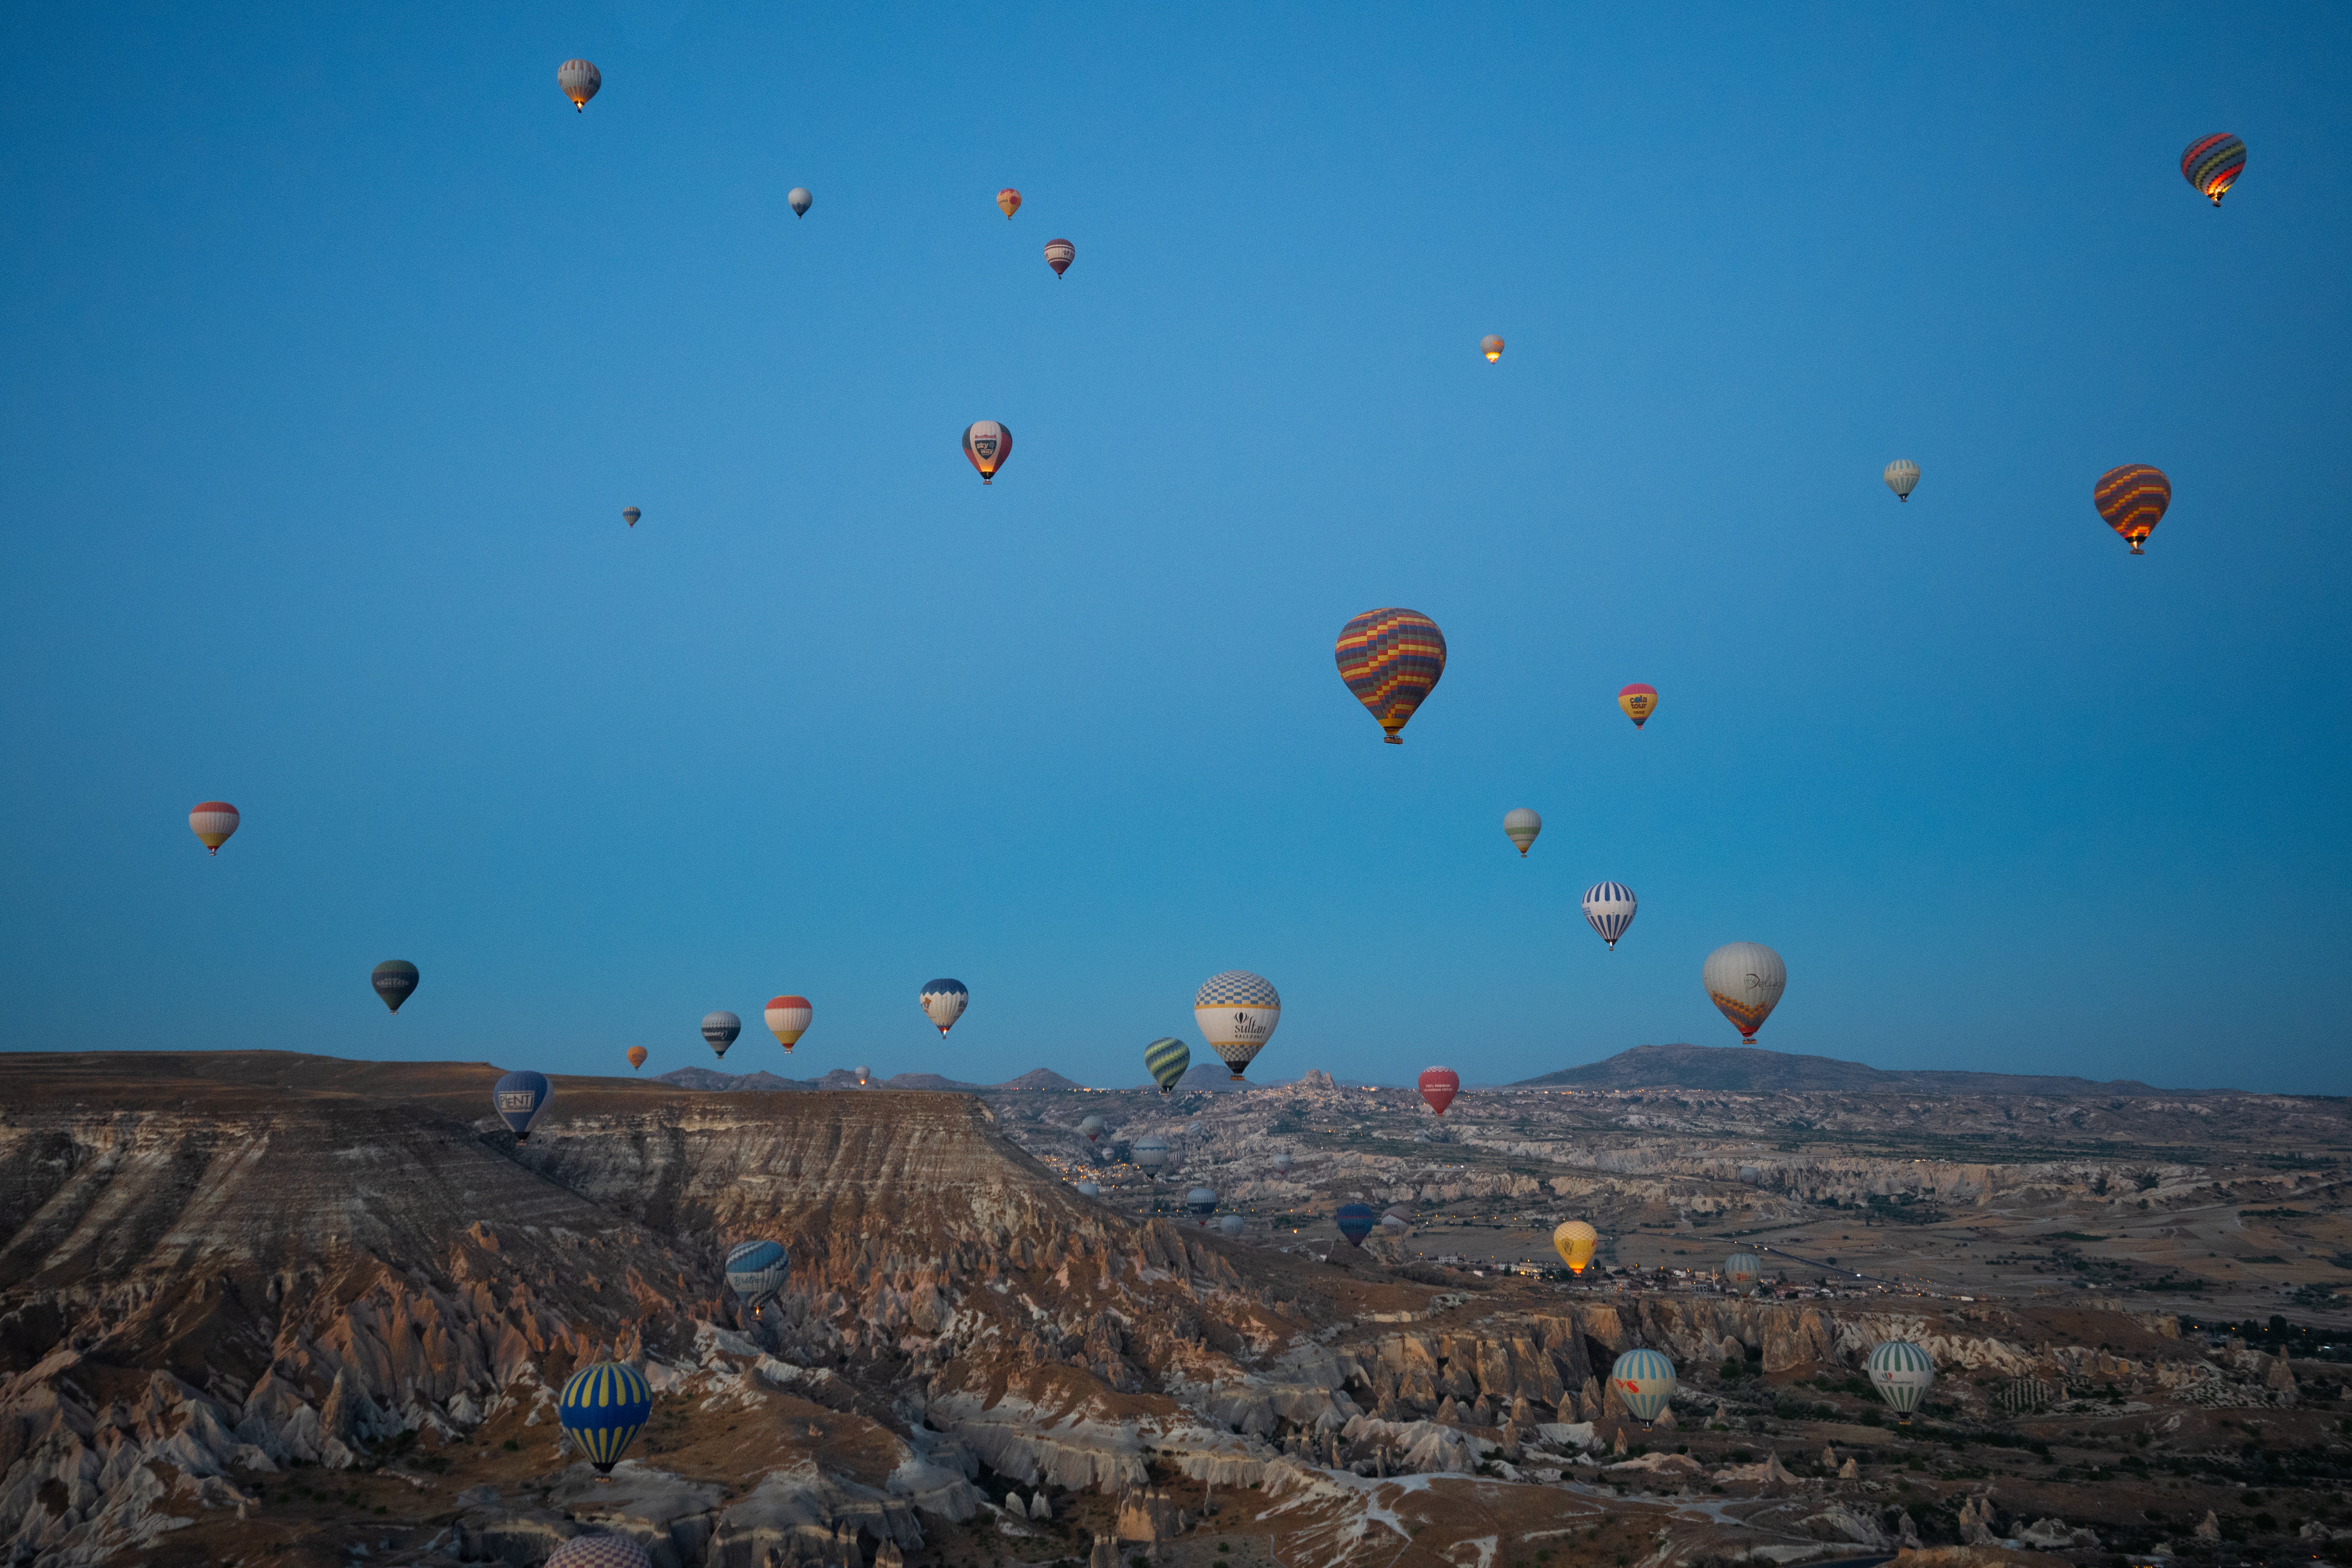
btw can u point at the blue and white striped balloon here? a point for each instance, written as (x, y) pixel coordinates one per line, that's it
(1644, 1380)
(758, 1270)
(1609, 909)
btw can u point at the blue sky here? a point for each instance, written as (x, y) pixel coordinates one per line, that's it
(332, 342)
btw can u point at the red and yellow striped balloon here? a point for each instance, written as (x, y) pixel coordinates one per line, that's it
(2213, 163)
(2132, 499)
(1392, 661)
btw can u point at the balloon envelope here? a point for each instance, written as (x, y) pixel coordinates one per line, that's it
(2212, 164)
(2132, 499)
(395, 980)
(1092, 1127)
(1901, 476)
(799, 200)
(1059, 254)
(1574, 1241)
(1392, 659)
(986, 445)
(719, 1030)
(212, 822)
(637, 1054)
(599, 1552)
(943, 1002)
(1644, 1380)
(1741, 1270)
(1090, 1190)
(1744, 980)
(1609, 909)
(1150, 1153)
(758, 1269)
(630, 514)
(1202, 1200)
(1355, 1222)
(580, 81)
(1282, 1163)
(603, 1407)
(1491, 346)
(1520, 826)
(1639, 701)
(1439, 1085)
(521, 1098)
(1902, 1372)
(1232, 1225)
(1166, 1060)
(789, 1018)
(1236, 1011)
(1009, 200)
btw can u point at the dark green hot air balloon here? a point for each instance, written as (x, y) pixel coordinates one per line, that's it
(1167, 1059)
(395, 980)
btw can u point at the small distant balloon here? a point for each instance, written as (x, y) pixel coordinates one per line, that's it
(1901, 476)
(1492, 347)
(756, 1270)
(1009, 200)
(1902, 1372)
(579, 79)
(521, 1098)
(1639, 701)
(1392, 661)
(1741, 1270)
(789, 1018)
(1202, 1200)
(637, 1054)
(1609, 909)
(1644, 1380)
(719, 1030)
(1166, 1059)
(1744, 980)
(1520, 826)
(799, 200)
(1092, 1127)
(1574, 1241)
(943, 1002)
(212, 822)
(864, 1075)
(986, 444)
(1282, 1163)
(1150, 1153)
(1232, 1225)
(1059, 254)
(2212, 164)
(395, 980)
(630, 514)
(2133, 499)
(1355, 1222)
(1439, 1085)
(1090, 1190)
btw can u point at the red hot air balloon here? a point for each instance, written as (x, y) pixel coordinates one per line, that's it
(1059, 254)
(1392, 661)
(1439, 1085)
(2132, 499)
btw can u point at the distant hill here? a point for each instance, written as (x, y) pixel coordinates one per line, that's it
(928, 1080)
(1040, 1078)
(1748, 1068)
(705, 1078)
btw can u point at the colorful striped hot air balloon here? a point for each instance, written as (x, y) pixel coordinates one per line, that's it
(603, 1408)
(1166, 1060)
(1439, 1085)
(1639, 701)
(1741, 1270)
(1520, 826)
(1059, 254)
(1009, 200)
(788, 1019)
(1609, 909)
(1236, 1011)
(1644, 1380)
(986, 445)
(1574, 1241)
(1355, 1222)
(2133, 499)
(1744, 980)
(212, 822)
(1902, 1372)
(580, 81)
(2212, 164)
(637, 1054)
(1392, 659)
(943, 1002)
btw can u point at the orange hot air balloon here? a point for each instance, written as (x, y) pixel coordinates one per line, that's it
(1010, 200)
(2132, 499)
(1639, 701)
(636, 1057)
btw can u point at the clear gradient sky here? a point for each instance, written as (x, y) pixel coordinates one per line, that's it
(332, 342)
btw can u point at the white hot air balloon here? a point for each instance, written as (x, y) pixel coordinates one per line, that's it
(1236, 1011)
(1901, 475)
(799, 200)
(1609, 909)
(1520, 826)
(580, 81)
(1745, 979)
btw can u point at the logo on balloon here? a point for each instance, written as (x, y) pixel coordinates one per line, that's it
(515, 1099)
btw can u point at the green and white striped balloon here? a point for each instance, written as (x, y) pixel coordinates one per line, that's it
(1902, 1372)
(1167, 1060)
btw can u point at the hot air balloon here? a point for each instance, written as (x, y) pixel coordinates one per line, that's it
(1150, 1153)
(1090, 1190)
(1520, 826)
(987, 444)
(1392, 661)
(944, 1002)
(1745, 979)
(1639, 701)
(1644, 1380)
(864, 1075)
(637, 1054)
(395, 980)
(1202, 1200)
(1749, 1176)
(521, 1098)
(602, 1408)
(720, 1030)
(1609, 909)
(1236, 1011)
(799, 200)
(1059, 254)
(630, 514)
(1232, 1225)
(1741, 1270)
(1282, 1163)
(1439, 1085)
(1166, 1060)
(1093, 1128)
(1574, 1242)
(756, 1270)
(1492, 347)
(789, 1018)
(1010, 200)
(2132, 499)
(579, 80)
(1902, 1372)
(1901, 476)
(1355, 1222)
(212, 822)
(2212, 163)
(599, 1552)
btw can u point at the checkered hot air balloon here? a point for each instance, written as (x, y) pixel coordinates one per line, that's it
(1609, 909)
(1166, 1060)
(599, 1552)
(1902, 1372)
(1644, 1380)
(212, 822)
(1392, 659)
(1236, 1011)
(2213, 163)
(2132, 499)
(603, 1408)
(1744, 980)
